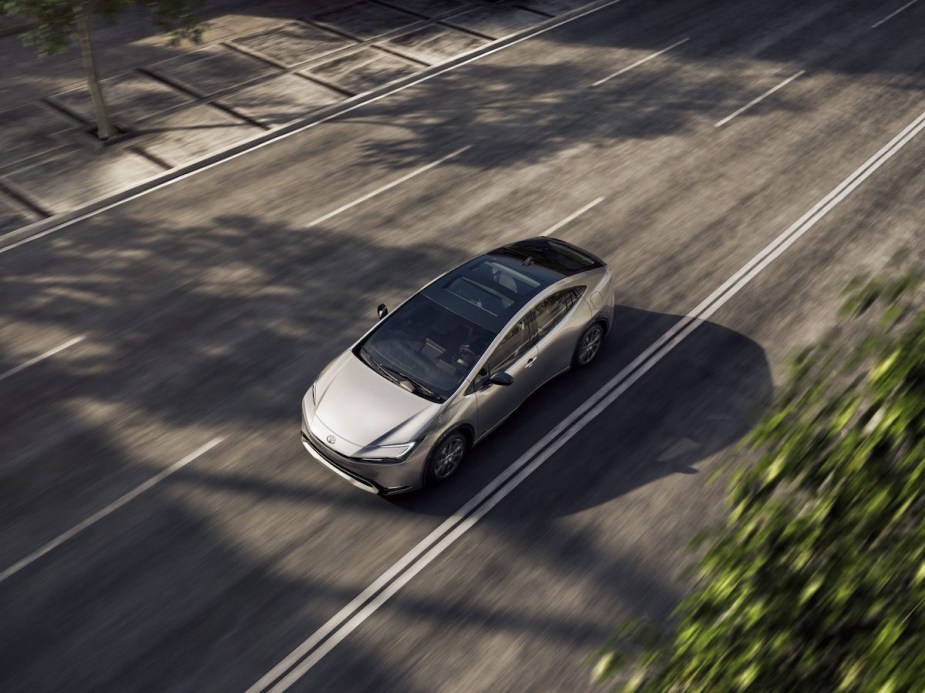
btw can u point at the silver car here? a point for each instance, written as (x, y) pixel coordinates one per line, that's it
(401, 408)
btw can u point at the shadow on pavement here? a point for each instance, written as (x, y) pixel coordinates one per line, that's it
(531, 110)
(700, 400)
(214, 329)
(177, 593)
(217, 329)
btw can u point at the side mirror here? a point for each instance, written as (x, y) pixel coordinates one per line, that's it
(501, 378)
(382, 310)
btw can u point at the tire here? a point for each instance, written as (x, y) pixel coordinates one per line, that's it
(445, 457)
(588, 346)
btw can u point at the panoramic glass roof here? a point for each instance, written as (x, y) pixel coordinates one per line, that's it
(489, 290)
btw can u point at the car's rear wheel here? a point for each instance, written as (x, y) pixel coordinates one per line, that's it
(589, 345)
(445, 457)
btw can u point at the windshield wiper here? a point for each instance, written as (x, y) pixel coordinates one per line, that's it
(398, 377)
(416, 385)
(376, 366)
(395, 375)
(423, 389)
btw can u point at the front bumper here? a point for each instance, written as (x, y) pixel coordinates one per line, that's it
(315, 451)
(374, 477)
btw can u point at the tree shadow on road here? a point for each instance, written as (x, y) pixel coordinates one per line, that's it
(218, 329)
(189, 333)
(530, 104)
(185, 332)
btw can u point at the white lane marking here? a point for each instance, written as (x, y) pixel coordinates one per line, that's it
(757, 100)
(893, 14)
(350, 105)
(571, 217)
(639, 62)
(41, 357)
(108, 510)
(387, 186)
(304, 657)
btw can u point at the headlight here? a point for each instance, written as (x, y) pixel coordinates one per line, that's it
(314, 395)
(387, 453)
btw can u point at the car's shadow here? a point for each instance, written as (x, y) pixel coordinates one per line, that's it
(698, 400)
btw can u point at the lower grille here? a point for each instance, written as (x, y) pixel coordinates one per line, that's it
(334, 459)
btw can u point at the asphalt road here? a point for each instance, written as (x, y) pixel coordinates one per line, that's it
(204, 309)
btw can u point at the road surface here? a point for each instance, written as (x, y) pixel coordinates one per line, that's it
(161, 527)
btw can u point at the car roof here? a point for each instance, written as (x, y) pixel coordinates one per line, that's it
(491, 289)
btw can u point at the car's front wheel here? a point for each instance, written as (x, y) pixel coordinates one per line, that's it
(589, 345)
(445, 457)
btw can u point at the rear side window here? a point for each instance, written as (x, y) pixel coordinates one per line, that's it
(552, 309)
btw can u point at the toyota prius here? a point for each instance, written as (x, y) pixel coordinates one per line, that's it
(404, 405)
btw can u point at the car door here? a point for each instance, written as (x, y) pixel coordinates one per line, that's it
(516, 356)
(558, 328)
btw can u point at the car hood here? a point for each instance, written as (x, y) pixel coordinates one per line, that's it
(363, 408)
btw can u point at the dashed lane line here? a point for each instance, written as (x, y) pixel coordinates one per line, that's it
(105, 512)
(757, 100)
(893, 14)
(40, 358)
(636, 64)
(572, 217)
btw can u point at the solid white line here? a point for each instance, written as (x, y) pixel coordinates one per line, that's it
(387, 186)
(40, 357)
(758, 100)
(361, 101)
(108, 510)
(312, 650)
(571, 217)
(639, 62)
(893, 14)
(884, 153)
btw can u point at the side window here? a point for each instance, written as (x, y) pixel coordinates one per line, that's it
(550, 311)
(515, 342)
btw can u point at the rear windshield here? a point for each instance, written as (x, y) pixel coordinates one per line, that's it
(425, 348)
(554, 255)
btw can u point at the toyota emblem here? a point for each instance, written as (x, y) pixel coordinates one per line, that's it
(332, 440)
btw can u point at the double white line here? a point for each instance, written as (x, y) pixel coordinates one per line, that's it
(322, 641)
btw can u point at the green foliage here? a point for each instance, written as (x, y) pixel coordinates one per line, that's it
(816, 579)
(54, 20)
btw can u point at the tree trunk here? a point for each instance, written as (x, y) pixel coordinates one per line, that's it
(82, 11)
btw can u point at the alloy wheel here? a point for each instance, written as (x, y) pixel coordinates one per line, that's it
(448, 456)
(590, 344)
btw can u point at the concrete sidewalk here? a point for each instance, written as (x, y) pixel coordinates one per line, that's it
(260, 66)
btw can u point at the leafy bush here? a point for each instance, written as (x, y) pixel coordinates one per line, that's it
(816, 579)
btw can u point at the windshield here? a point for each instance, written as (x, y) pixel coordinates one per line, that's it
(425, 348)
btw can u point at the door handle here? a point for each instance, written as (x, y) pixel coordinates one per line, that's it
(530, 361)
